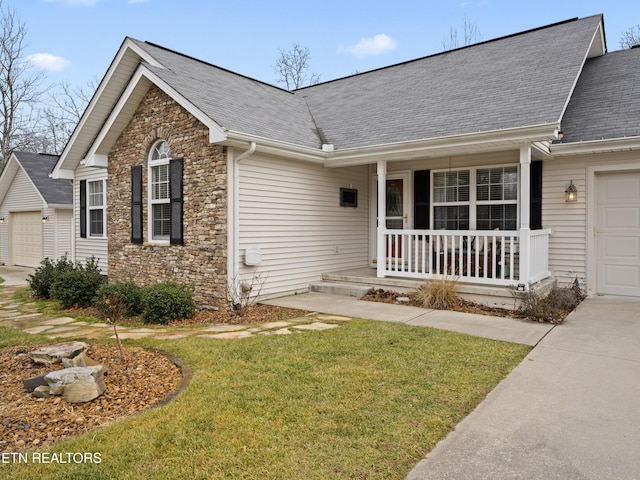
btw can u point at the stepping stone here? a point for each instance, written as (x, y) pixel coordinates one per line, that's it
(316, 326)
(282, 331)
(172, 336)
(270, 325)
(132, 335)
(229, 335)
(59, 321)
(333, 318)
(28, 315)
(225, 328)
(36, 330)
(148, 330)
(63, 329)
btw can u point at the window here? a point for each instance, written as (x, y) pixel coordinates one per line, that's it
(451, 200)
(159, 200)
(96, 203)
(476, 199)
(497, 198)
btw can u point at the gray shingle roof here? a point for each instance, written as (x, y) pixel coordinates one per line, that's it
(516, 81)
(37, 167)
(236, 102)
(606, 102)
(521, 80)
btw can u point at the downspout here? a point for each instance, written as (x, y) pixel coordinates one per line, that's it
(235, 222)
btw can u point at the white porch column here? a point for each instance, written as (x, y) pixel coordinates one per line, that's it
(382, 211)
(525, 203)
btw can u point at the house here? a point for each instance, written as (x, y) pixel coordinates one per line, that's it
(509, 162)
(35, 211)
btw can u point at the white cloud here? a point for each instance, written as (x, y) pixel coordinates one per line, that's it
(74, 3)
(49, 62)
(371, 46)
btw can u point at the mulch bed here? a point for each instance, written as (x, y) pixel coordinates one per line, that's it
(466, 306)
(146, 380)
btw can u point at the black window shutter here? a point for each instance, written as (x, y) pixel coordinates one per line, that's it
(535, 204)
(83, 208)
(421, 196)
(136, 204)
(175, 195)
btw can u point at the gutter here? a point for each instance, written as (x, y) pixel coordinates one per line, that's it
(233, 262)
(596, 146)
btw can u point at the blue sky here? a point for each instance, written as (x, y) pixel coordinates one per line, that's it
(75, 40)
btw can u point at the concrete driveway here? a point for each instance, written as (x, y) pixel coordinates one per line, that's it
(14, 276)
(570, 410)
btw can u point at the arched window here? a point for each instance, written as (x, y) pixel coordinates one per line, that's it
(159, 200)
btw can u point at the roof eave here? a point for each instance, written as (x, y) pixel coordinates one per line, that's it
(607, 145)
(495, 140)
(109, 90)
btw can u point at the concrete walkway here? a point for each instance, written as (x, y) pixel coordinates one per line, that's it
(496, 328)
(570, 410)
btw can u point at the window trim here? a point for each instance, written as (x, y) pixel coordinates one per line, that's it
(151, 202)
(473, 202)
(91, 208)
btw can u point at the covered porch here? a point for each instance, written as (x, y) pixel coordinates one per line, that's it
(491, 252)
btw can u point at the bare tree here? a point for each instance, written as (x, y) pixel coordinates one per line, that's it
(60, 117)
(292, 67)
(19, 85)
(630, 37)
(470, 34)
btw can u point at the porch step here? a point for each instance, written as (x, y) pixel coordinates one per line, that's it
(344, 289)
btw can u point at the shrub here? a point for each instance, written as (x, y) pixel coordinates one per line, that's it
(78, 285)
(163, 302)
(126, 297)
(552, 308)
(438, 294)
(41, 281)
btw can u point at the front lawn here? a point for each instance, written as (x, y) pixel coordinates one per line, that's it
(367, 401)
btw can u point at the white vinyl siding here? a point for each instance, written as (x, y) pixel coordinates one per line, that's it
(291, 211)
(88, 247)
(568, 253)
(57, 232)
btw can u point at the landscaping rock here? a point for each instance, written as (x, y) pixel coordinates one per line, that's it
(77, 384)
(34, 382)
(80, 360)
(55, 353)
(42, 391)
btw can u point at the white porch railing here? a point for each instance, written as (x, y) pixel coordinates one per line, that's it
(476, 256)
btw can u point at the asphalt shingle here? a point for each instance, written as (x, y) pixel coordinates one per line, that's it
(38, 166)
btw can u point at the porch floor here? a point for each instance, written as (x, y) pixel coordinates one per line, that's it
(488, 295)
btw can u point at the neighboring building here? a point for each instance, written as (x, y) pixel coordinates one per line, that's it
(464, 157)
(36, 212)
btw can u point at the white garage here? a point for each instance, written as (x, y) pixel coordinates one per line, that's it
(617, 233)
(26, 239)
(36, 212)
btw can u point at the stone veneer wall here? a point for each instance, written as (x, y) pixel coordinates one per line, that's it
(201, 261)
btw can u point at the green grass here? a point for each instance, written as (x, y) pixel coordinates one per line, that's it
(367, 400)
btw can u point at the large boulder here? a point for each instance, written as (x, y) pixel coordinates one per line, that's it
(55, 353)
(77, 384)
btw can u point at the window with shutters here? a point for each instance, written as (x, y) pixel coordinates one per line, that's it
(159, 191)
(95, 208)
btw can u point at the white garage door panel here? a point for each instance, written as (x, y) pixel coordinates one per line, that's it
(26, 238)
(618, 233)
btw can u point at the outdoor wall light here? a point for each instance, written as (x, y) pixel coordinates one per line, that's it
(2, 220)
(45, 219)
(571, 193)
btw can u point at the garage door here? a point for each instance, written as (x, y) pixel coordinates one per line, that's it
(618, 233)
(26, 239)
